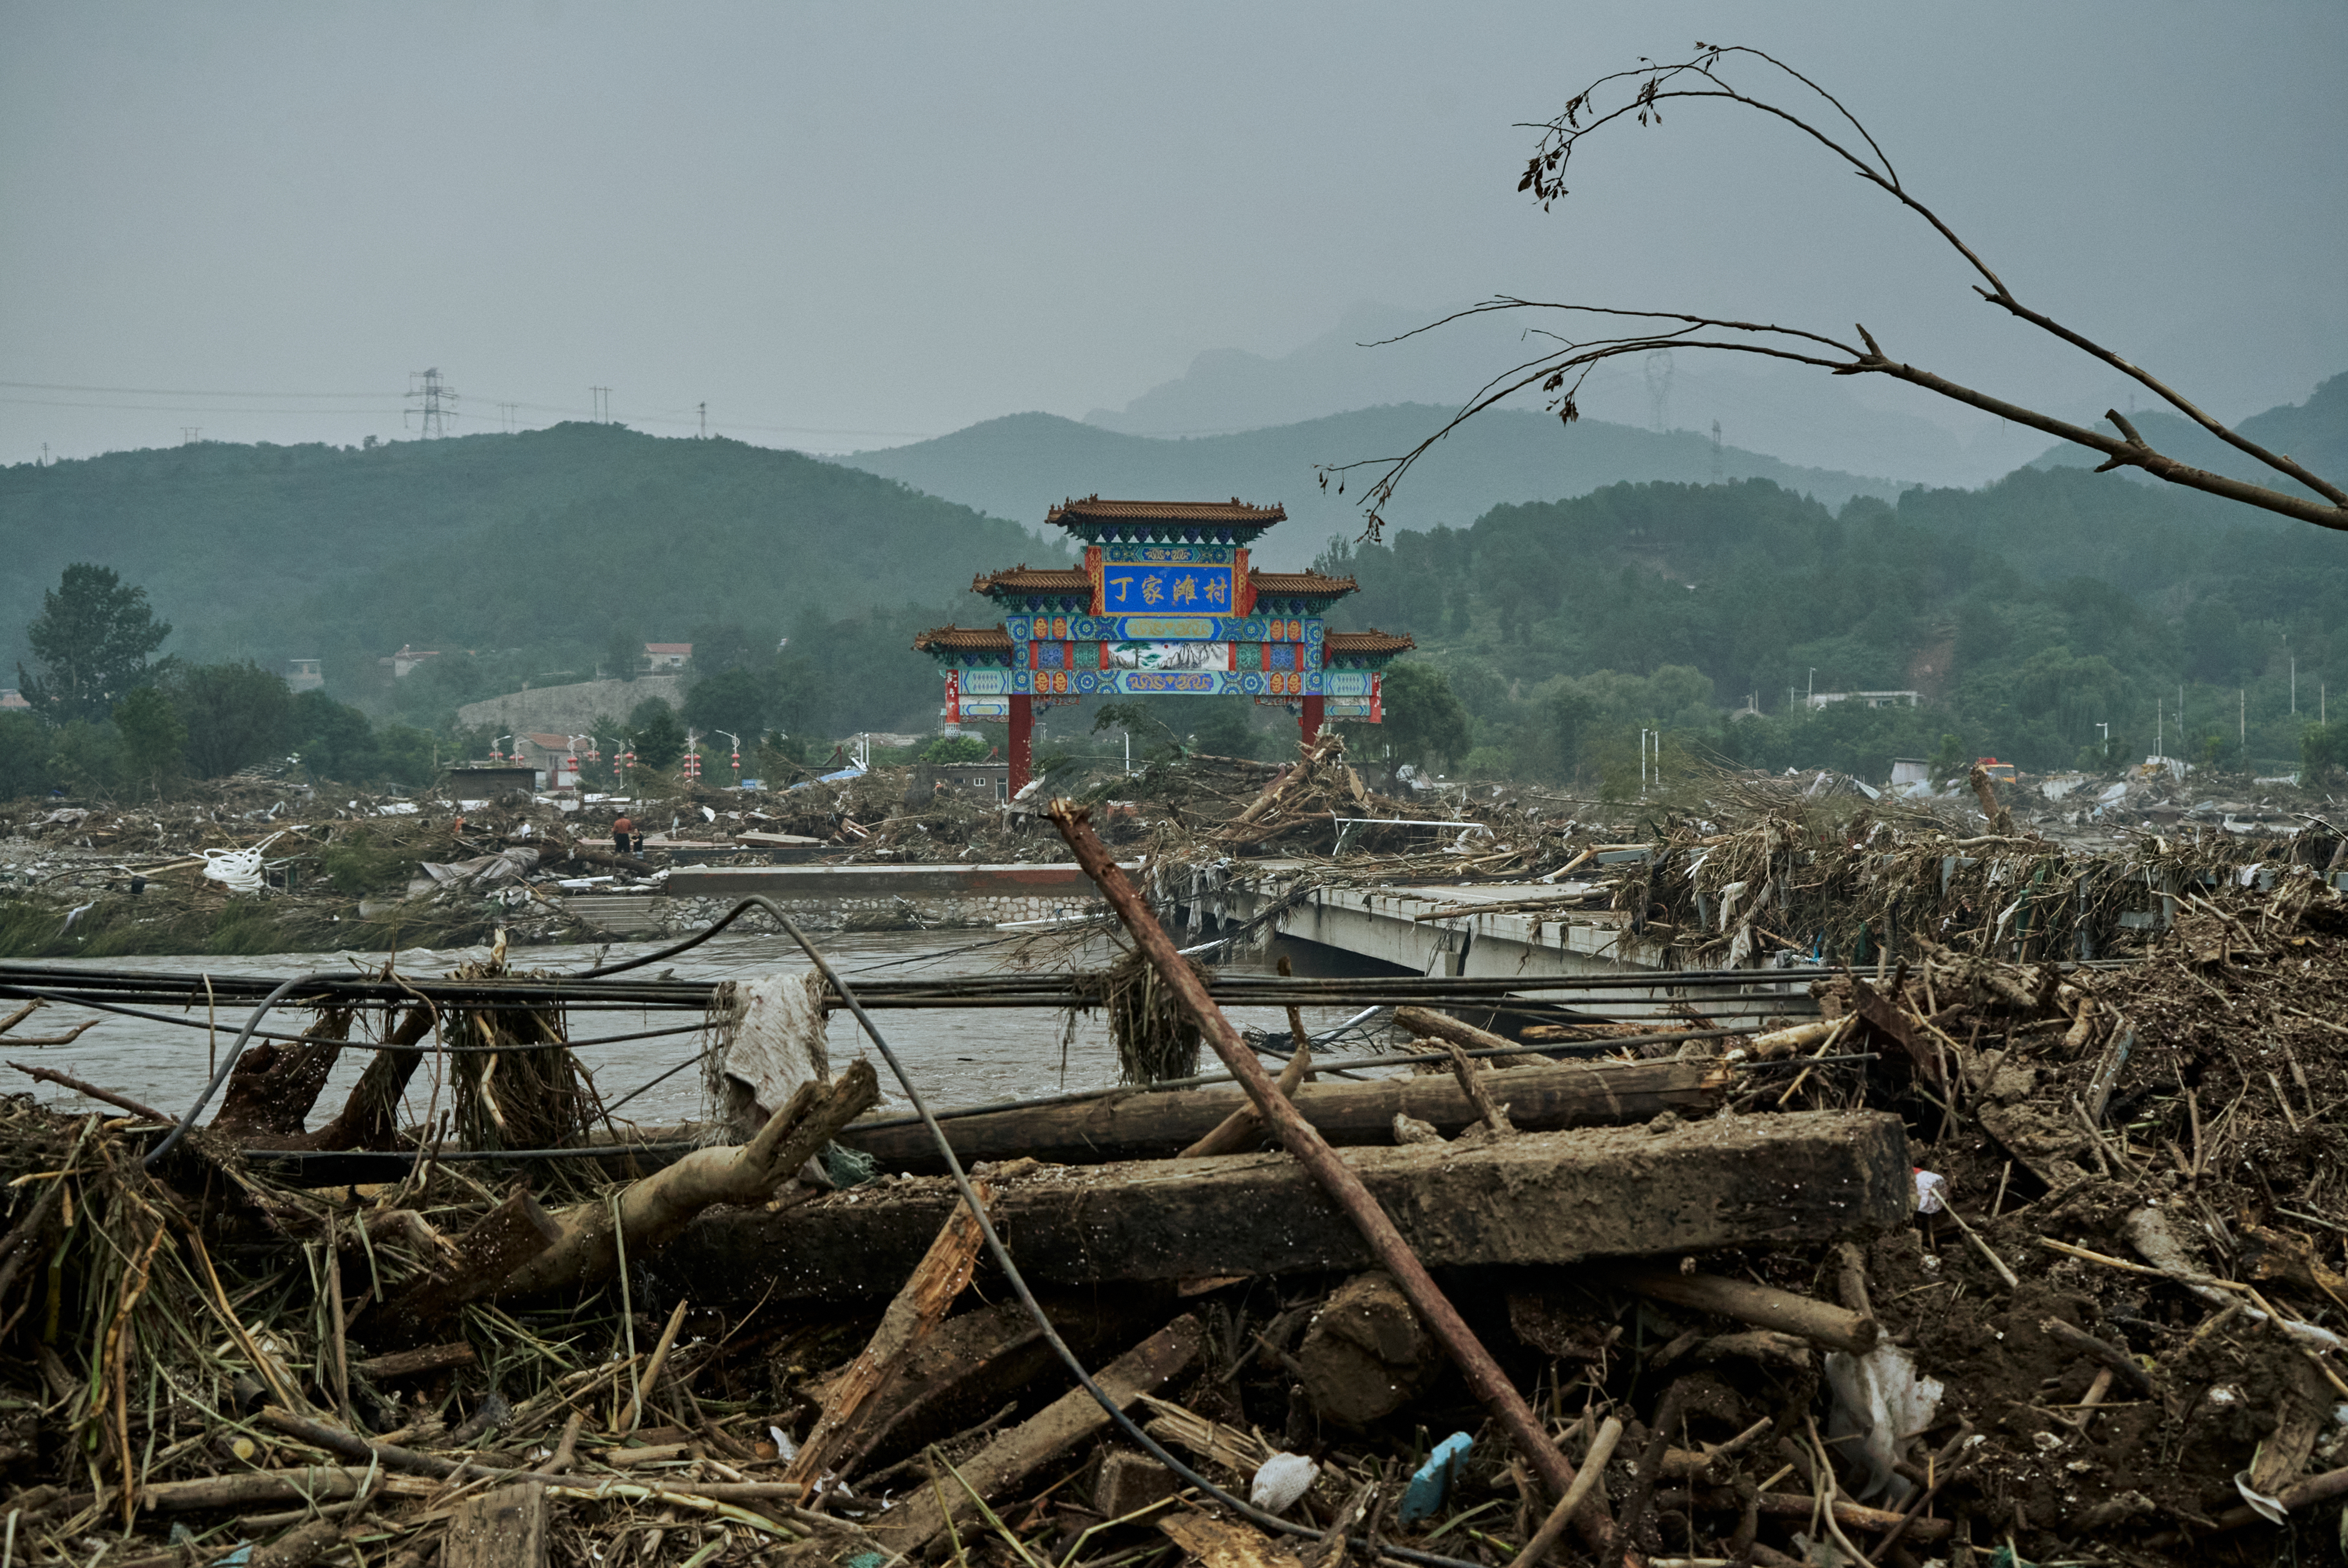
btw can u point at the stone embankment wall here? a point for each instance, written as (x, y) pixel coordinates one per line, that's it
(567, 709)
(631, 915)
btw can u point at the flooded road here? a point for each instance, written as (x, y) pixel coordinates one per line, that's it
(957, 1056)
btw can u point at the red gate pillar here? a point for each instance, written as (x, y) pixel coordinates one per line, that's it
(1023, 743)
(1310, 720)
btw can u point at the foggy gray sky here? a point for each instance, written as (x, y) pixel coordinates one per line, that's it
(849, 225)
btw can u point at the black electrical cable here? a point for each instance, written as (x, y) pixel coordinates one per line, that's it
(1002, 1255)
(365, 1045)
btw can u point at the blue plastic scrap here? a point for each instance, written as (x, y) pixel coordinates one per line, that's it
(1423, 1498)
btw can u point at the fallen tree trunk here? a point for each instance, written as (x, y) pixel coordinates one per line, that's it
(369, 1117)
(1146, 1126)
(1538, 1198)
(274, 1085)
(654, 1210)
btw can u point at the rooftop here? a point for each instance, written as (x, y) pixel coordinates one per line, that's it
(1035, 580)
(1302, 585)
(963, 640)
(1370, 642)
(1130, 518)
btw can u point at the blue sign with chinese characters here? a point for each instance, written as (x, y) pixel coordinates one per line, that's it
(1154, 587)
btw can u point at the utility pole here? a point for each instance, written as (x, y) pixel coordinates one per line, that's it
(2242, 722)
(435, 400)
(2159, 729)
(603, 403)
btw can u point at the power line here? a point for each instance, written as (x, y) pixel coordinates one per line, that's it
(568, 411)
(173, 391)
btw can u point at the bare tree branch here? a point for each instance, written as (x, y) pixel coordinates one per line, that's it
(1563, 371)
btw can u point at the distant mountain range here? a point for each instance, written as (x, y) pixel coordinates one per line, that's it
(2315, 433)
(1020, 466)
(1801, 416)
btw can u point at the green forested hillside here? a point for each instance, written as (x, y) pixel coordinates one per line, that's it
(2028, 613)
(552, 543)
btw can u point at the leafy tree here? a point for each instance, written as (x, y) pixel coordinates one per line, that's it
(734, 700)
(721, 645)
(653, 730)
(623, 657)
(405, 755)
(2322, 753)
(1422, 719)
(92, 639)
(154, 736)
(1224, 727)
(333, 738)
(25, 745)
(85, 757)
(1158, 741)
(236, 714)
(956, 749)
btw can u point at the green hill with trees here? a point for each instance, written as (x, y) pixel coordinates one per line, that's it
(552, 543)
(2029, 614)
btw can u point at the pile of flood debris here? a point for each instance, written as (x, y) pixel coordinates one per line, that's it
(1993, 1260)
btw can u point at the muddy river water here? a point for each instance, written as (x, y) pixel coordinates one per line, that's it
(957, 1056)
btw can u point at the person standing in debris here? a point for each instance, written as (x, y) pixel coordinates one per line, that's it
(625, 839)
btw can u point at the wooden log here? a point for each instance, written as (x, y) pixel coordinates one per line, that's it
(410, 1363)
(90, 1091)
(920, 1307)
(2109, 1357)
(323, 1484)
(1338, 1185)
(1763, 1307)
(1431, 1025)
(1538, 1198)
(507, 1237)
(1038, 1441)
(1145, 1126)
(500, 1529)
(1243, 1129)
(657, 1208)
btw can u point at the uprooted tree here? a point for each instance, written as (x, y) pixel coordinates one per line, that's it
(1638, 96)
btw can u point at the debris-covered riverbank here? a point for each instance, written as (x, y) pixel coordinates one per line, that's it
(2001, 1254)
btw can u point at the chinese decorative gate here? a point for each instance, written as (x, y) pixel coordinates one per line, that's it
(1163, 602)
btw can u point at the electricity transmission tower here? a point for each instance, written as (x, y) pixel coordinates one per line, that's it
(191, 434)
(436, 402)
(603, 403)
(1716, 452)
(508, 410)
(704, 419)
